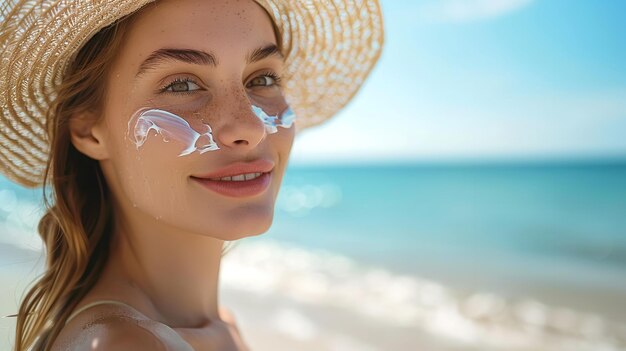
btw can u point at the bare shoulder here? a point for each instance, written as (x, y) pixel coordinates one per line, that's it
(117, 330)
(109, 333)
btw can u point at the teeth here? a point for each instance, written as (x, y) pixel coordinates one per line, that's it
(251, 175)
(240, 177)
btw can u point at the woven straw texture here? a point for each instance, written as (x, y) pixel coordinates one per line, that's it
(330, 46)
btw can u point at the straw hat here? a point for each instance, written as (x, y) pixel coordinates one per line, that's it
(330, 47)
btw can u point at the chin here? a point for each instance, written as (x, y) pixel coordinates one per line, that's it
(243, 227)
(232, 236)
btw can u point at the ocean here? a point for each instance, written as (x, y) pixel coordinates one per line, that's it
(501, 256)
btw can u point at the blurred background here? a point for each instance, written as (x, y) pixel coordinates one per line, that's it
(471, 197)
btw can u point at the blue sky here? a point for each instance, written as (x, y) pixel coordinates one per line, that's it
(486, 79)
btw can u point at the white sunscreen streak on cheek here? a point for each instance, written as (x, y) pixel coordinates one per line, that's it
(272, 122)
(170, 126)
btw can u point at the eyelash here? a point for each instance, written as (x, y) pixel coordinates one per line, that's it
(277, 79)
(176, 81)
(277, 82)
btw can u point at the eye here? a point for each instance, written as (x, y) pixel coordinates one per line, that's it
(268, 79)
(185, 85)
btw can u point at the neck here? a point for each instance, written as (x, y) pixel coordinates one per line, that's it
(169, 275)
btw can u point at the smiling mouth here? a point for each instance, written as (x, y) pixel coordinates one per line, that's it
(240, 177)
(235, 186)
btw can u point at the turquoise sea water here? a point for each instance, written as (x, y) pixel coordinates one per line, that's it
(544, 240)
(568, 214)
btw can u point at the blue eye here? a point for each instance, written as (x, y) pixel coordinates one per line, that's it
(178, 86)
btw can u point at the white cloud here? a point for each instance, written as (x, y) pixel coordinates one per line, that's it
(469, 10)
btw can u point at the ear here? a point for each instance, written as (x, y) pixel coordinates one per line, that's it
(87, 135)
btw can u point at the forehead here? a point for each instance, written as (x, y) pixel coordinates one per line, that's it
(228, 26)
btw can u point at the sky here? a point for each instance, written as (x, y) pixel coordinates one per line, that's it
(486, 79)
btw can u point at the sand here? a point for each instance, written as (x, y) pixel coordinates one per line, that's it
(280, 320)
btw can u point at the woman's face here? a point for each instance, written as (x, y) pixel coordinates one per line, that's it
(155, 181)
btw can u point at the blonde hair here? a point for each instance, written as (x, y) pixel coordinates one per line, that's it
(78, 220)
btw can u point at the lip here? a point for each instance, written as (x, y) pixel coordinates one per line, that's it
(256, 166)
(239, 189)
(245, 188)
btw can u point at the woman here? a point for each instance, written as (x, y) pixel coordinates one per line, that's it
(135, 113)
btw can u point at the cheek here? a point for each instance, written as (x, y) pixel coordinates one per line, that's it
(288, 142)
(152, 178)
(151, 175)
(282, 142)
(285, 139)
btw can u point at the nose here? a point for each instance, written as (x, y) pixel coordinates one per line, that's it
(240, 127)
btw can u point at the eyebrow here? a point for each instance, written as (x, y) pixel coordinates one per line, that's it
(199, 57)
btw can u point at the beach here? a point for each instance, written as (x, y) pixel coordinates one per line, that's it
(284, 298)
(325, 302)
